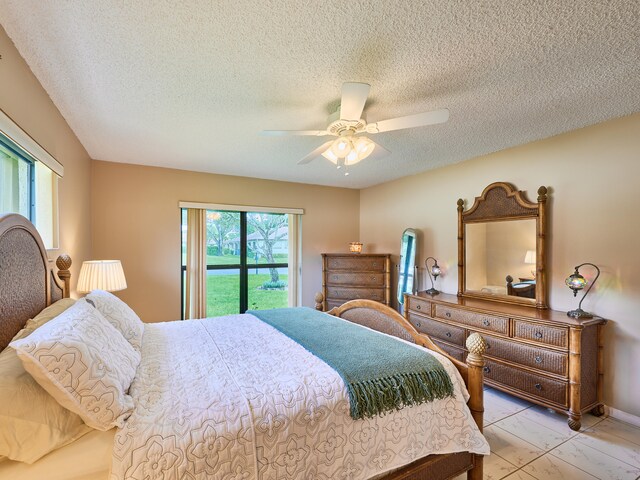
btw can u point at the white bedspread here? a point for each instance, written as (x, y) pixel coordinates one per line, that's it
(232, 398)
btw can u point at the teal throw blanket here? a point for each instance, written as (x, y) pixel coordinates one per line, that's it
(381, 373)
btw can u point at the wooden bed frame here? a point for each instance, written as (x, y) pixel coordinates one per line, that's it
(384, 319)
(28, 284)
(27, 280)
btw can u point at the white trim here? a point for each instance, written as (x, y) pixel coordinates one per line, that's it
(21, 138)
(622, 416)
(240, 208)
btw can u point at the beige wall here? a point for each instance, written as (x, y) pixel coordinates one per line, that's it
(137, 220)
(507, 244)
(593, 175)
(24, 100)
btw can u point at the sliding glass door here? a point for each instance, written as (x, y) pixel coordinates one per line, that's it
(247, 261)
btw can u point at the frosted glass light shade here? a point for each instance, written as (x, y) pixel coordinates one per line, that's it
(364, 147)
(329, 155)
(101, 275)
(351, 149)
(341, 146)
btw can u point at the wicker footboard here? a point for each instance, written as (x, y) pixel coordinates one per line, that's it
(384, 319)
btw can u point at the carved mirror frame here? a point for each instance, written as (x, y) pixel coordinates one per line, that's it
(498, 202)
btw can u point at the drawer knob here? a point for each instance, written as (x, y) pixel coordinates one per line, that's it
(335, 277)
(538, 335)
(538, 359)
(418, 307)
(375, 264)
(448, 314)
(538, 386)
(418, 324)
(448, 334)
(486, 370)
(485, 322)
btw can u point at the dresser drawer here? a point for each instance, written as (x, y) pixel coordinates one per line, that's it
(356, 264)
(475, 320)
(346, 278)
(537, 385)
(455, 352)
(541, 333)
(438, 330)
(530, 356)
(419, 305)
(349, 293)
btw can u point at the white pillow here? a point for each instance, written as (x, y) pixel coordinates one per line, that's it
(49, 313)
(120, 315)
(84, 363)
(32, 423)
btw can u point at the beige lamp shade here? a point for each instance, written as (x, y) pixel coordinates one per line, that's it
(101, 275)
(530, 257)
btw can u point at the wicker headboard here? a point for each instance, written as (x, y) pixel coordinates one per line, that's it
(27, 280)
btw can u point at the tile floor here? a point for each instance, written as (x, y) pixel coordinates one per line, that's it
(529, 442)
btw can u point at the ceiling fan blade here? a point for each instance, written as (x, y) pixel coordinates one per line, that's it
(378, 152)
(316, 153)
(410, 121)
(282, 133)
(354, 96)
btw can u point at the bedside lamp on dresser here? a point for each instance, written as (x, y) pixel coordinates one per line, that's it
(538, 354)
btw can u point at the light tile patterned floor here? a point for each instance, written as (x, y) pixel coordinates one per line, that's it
(531, 443)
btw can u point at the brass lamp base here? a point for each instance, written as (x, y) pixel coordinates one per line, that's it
(579, 313)
(432, 291)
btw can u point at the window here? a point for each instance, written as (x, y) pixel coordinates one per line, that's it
(17, 175)
(247, 261)
(28, 180)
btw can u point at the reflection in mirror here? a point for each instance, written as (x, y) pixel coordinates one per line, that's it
(500, 257)
(406, 270)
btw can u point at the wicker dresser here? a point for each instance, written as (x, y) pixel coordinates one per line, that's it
(540, 355)
(347, 276)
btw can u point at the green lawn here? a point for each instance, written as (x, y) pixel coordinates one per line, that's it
(222, 294)
(235, 259)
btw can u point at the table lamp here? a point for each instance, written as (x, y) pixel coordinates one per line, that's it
(530, 259)
(433, 272)
(101, 275)
(577, 282)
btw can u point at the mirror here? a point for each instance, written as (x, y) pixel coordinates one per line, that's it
(501, 247)
(498, 250)
(406, 268)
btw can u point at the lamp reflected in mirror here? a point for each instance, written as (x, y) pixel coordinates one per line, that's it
(577, 282)
(530, 259)
(433, 272)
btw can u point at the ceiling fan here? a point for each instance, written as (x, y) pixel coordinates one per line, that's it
(346, 123)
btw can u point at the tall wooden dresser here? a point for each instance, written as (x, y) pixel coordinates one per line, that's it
(543, 356)
(348, 276)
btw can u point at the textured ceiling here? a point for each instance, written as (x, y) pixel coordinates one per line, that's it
(190, 84)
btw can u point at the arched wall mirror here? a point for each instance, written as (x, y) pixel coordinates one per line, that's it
(406, 268)
(501, 246)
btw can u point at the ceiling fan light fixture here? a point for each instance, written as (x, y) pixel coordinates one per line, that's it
(352, 157)
(342, 146)
(329, 155)
(364, 147)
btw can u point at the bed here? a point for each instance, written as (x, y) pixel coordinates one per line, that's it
(315, 438)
